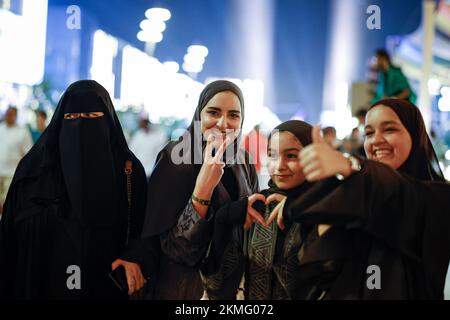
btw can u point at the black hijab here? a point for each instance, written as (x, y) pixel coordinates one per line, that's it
(302, 131)
(422, 162)
(89, 152)
(171, 183)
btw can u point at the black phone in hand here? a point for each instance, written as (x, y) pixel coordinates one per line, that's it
(119, 277)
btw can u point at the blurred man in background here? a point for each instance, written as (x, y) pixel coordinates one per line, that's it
(392, 83)
(15, 142)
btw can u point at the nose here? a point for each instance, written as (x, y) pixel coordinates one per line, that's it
(377, 138)
(222, 123)
(281, 165)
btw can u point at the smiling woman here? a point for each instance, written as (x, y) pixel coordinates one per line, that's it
(184, 197)
(391, 215)
(268, 255)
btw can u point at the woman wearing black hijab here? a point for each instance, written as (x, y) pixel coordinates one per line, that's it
(189, 183)
(70, 209)
(389, 236)
(266, 253)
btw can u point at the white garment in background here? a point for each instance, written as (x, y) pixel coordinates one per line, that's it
(146, 146)
(15, 142)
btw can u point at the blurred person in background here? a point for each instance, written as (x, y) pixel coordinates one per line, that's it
(392, 83)
(329, 135)
(15, 141)
(147, 142)
(41, 124)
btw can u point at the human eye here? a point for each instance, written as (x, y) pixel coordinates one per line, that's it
(368, 133)
(70, 116)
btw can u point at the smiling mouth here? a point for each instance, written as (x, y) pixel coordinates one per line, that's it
(382, 154)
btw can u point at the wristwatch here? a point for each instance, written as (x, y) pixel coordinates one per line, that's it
(355, 165)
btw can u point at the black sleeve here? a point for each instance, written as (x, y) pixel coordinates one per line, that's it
(377, 199)
(146, 252)
(139, 199)
(187, 241)
(6, 243)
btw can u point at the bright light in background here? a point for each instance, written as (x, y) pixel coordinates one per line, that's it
(433, 86)
(171, 66)
(447, 155)
(156, 25)
(158, 14)
(343, 56)
(445, 91)
(153, 27)
(22, 43)
(444, 104)
(341, 117)
(103, 54)
(444, 101)
(156, 87)
(150, 36)
(195, 58)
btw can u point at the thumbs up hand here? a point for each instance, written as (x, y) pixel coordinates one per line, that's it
(320, 161)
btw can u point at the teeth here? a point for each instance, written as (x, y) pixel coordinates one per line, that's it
(382, 153)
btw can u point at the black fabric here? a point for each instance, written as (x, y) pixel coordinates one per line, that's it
(380, 217)
(226, 254)
(171, 185)
(67, 204)
(300, 129)
(396, 220)
(422, 162)
(169, 224)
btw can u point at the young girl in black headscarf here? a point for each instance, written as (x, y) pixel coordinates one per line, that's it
(191, 180)
(69, 211)
(383, 232)
(266, 253)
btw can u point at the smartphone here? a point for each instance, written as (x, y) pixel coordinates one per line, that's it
(119, 277)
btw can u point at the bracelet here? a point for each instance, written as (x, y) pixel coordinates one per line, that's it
(201, 201)
(355, 165)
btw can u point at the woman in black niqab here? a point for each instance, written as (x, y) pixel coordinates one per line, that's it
(68, 203)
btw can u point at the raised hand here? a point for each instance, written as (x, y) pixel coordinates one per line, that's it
(210, 173)
(320, 161)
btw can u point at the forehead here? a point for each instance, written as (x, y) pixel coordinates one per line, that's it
(225, 100)
(284, 140)
(380, 114)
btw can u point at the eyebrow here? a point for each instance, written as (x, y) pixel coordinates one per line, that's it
(218, 109)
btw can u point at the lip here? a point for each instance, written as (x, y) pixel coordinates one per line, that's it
(285, 176)
(382, 153)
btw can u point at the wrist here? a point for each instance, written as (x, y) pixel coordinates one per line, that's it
(352, 164)
(202, 193)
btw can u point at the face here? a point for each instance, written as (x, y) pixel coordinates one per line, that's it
(11, 116)
(40, 121)
(387, 139)
(283, 161)
(221, 117)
